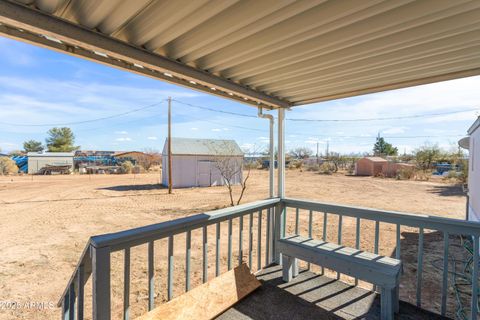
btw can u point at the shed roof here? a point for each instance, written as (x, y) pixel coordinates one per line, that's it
(277, 53)
(50, 154)
(375, 159)
(204, 147)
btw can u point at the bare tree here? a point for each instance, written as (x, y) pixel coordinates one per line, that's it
(149, 158)
(230, 168)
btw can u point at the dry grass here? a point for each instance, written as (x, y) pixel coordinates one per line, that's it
(46, 221)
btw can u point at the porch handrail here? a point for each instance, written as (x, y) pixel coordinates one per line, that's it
(133, 237)
(111, 242)
(450, 225)
(447, 226)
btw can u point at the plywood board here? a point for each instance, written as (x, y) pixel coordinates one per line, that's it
(210, 299)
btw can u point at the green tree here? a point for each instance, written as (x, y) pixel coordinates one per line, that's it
(61, 140)
(426, 155)
(33, 146)
(381, 147)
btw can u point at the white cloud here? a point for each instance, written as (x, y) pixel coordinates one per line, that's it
(123, 139)
(395, 130)
(216, 130)
(121, 132)
(194, 129)
(152, 138)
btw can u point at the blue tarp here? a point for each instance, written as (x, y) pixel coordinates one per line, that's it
(21, 162)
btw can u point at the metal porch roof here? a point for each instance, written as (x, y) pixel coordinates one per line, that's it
(277, 53)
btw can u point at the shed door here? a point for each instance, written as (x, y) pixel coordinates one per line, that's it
(204, 173)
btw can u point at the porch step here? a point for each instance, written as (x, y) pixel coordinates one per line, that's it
(210, 299)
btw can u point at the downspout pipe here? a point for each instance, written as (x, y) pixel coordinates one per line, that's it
(272, 150)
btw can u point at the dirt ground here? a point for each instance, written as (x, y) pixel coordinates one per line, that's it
(47, 220)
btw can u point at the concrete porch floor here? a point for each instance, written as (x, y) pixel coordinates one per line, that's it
(311, 296)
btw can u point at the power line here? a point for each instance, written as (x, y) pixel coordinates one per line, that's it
(333, 120)
(216, 110)
(384, 118)
(83, 121)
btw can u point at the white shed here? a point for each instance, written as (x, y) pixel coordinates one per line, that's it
(474, 172)
(199, 162)
(37, 161)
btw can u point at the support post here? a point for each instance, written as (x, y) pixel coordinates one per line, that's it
(281, 153)
(101, 283)
(271, 181)
(169, 145)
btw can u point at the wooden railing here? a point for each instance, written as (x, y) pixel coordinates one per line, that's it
(447, 226)
(96, 258)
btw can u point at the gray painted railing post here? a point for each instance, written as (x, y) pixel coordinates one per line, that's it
(80, 291)
(278, 230)
(101, 282)
(474, 302)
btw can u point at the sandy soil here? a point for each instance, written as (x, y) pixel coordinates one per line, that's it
(46, 221)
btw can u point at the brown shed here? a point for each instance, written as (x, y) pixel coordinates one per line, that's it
(370, 166)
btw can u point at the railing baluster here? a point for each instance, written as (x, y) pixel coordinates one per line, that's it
(229, 257)
(445, 273)
(259, 242)
(101, 282)
(297, 219)
(205, 255)
(375, 246)
(71, 303)
(80, 291)
(324, 235)
(340, 222)
(357, 241)
(397, 249)
(188, 245)
(310, 218)
(151, 279)
(126, 284)
(268, 237)
(420, 267)
(217, 251)
(66, 307)
(474, 302)
(240, 240)
(170, 269)
(250, 239)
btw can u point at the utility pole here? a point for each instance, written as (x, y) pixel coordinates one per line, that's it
(169, 145)
(317, 153)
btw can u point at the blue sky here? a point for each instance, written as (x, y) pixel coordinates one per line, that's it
(39, 86)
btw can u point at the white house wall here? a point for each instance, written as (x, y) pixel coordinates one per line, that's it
(185, 171)
(474, 176)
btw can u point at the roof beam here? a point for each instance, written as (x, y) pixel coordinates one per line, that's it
(78, 41)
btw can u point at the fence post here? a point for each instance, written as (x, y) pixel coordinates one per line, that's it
(101, 282)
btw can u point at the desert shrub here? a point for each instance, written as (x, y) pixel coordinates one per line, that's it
(295, 164)
(327, 168)
(351, 168)
(127, 167)
(251, 165)
(313, 167)
(423, 175)
(7, 166)
(405, 174)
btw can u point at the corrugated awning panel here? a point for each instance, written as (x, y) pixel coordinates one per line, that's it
(282, 52)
